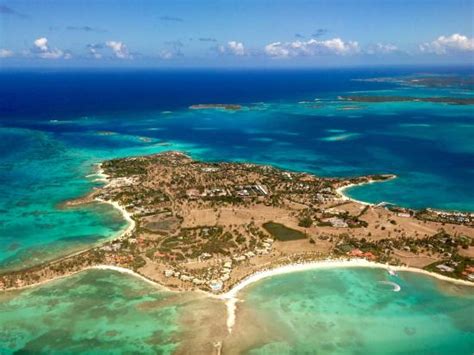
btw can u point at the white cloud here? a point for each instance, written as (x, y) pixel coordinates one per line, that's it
(102, 50)
(311, 47)
(233, 47)
(382, 48)
(41, 43)
(94, 52)
(449, 44)
(120, 49)
(5, 53)
(42, 49)
(166, 54)
(173, 50)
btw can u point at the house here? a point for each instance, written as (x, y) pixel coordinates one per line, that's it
(186, 278)
(444, 268)
(193, 193)
(249, 254)
(205, 256)
(337, 222)
(216, 285)
(469, 269)
(169, 273)
(360, 254)
(197, 281)
(157, 254)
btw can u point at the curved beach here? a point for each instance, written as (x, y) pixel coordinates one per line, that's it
(340, 190)
(230, 297)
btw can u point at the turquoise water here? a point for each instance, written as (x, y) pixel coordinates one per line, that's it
(55, 126)
(339, 311)
(44, 173)
(293, 120)
(93, 312)
(348, 311)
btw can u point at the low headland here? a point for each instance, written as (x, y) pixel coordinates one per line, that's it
(445, 100)
(211, 226)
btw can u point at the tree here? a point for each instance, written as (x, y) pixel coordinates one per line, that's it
(305, 222)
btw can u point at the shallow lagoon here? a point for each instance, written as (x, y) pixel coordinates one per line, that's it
(338, 311)
(353, 311)
(293, 120)
(93, 312)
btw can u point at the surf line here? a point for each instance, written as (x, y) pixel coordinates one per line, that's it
(396, 287)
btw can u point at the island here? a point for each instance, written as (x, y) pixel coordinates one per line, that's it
(428, 80)
(228, 107)
(445, 100)
(209, 225)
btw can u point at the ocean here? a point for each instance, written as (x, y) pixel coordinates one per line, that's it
(56, 125)
(340, 311)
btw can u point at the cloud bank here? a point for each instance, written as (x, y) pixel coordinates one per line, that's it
(455, 43)
(6, 53)
(119, 49)
(42, 49)
(233, 48)
(173, 50)
(382, 48)
(312, 47)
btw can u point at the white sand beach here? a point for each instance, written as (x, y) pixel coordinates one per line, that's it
(124, 270)
(127, 216)
(341, 190)
(231, 298)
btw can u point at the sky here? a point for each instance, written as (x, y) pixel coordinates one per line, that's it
(240, 33)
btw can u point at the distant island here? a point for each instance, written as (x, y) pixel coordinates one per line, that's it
(207, 226)
(428, 80)
(230, 107)
(446, 100)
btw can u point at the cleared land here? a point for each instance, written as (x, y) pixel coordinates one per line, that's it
(208, 225)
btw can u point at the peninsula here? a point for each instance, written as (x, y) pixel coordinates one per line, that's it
(207, 226)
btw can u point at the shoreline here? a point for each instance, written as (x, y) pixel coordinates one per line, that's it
(264, 273)
(124, 270)
(119, 269)
(230, 297)
(103, 177)
(126, 215)
(329, 264)
(340, 191)
(125, 232)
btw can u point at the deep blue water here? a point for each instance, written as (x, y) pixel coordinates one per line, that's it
(52, 132)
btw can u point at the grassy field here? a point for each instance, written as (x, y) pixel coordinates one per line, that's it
(283, 233)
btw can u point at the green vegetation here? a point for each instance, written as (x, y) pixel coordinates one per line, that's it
(282, 232)
(457, 263)
(125, 167)
(305, 222)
